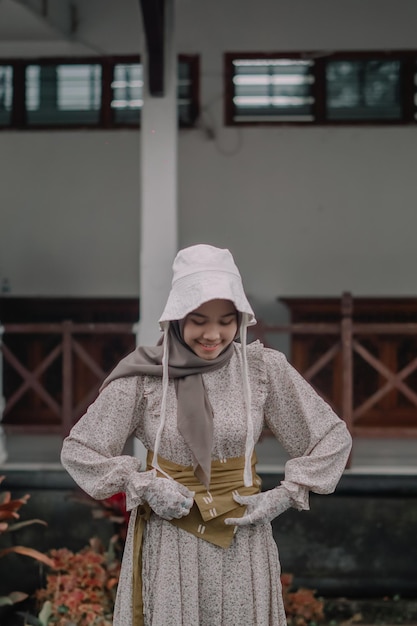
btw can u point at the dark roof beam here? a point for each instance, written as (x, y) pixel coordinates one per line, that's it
(153, 14)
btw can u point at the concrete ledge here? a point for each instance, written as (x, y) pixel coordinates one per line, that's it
(54, 476)
(356, 542)
(35, 476)
(364, 483)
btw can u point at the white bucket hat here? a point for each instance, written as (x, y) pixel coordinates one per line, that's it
(202, 273)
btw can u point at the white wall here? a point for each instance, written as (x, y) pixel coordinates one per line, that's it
(306, 211)
(70, 213)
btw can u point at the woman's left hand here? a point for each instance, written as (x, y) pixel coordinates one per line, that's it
(262, 507)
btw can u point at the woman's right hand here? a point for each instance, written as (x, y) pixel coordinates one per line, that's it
(168, 498)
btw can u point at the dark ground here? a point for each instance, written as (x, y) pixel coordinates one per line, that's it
(383, 611)
(338, 612)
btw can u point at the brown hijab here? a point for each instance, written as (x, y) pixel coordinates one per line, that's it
(194, 412)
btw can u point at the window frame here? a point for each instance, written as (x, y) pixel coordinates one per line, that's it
(408, 89)
(106, 116)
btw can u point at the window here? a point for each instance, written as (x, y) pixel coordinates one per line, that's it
(6, 93)
(273, 89)
(63, 94)
(363, 90)
(187, 92)
(313, 88)
(127, 89)
(104, 93)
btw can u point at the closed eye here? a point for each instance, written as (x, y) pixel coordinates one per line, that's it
(197, 321)
(228, 321)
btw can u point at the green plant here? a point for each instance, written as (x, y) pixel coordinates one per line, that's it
(301, 606)
(9, 513)
(81, 589)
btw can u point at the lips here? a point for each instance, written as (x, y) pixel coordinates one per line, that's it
(209, 347)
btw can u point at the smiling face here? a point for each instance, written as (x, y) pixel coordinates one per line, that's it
(211, 328)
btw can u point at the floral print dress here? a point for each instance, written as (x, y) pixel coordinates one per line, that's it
(188, 581)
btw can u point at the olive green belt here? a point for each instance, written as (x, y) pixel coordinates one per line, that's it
(206, 518)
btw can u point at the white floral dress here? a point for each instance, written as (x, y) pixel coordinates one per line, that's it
(186, 580)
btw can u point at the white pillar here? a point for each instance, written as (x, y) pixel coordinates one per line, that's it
(158, 192)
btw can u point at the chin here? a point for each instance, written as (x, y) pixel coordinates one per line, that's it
(211, 357)
(207, 357)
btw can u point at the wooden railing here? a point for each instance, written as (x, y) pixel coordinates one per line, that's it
(381, 403)
(385, 407)
(69, 398)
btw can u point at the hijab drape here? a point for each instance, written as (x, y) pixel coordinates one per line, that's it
(194, 411)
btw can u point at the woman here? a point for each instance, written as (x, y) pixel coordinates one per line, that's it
(200, 549)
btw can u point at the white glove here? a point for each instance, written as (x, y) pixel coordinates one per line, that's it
(262, 507)
(169, 499)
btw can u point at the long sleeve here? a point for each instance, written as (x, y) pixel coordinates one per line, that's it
(316, 439)
(93, 452)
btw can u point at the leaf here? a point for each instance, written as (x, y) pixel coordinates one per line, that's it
(34, 554)
(13, 598)
(111, 583)
(96, 545)
(26, 523)
(7, 514)
(30, 620)
(16, 502)
(13, 505)
(6, 496)
(45, 613)
(18, 596)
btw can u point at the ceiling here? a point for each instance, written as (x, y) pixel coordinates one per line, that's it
(32, 24)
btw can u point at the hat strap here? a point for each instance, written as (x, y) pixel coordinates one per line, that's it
(247, 396)
(165, 381)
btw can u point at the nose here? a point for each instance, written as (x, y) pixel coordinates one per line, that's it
(211, 332)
